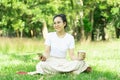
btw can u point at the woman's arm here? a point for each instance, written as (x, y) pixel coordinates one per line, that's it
(72, 55)
(47, 51)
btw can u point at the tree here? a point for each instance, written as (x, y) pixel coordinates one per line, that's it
(29, 18)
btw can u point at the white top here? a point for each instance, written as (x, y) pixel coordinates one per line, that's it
(59, 46)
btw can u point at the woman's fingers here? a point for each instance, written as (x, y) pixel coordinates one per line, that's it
(43, 58)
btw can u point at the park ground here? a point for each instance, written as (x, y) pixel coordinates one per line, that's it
(20, 55)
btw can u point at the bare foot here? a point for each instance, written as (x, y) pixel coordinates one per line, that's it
(32, 73)
(89, 69)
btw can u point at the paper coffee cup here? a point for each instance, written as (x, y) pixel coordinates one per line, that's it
(81, 54)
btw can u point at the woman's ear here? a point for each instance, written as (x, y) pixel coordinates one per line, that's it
(64, 23)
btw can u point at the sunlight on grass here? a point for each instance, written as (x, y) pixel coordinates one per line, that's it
(20, 45)
(13, 62)
(19, 55)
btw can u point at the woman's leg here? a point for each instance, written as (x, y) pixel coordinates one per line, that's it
(38, 69)
(82, 66)
(89, 69)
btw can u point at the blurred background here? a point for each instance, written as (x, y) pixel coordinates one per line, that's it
(88, 20)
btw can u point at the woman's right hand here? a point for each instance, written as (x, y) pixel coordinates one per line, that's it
(42, 58)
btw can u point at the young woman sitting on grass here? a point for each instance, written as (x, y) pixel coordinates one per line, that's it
(56, 46)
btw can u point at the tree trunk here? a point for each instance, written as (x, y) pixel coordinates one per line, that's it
(31, 33)
(17, 33)
(92, 35)
(82, 24)
(1, 33)
(21, 34)
(117, 30)
(89, 36)
(103, 34)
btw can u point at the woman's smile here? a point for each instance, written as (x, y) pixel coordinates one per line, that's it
(58, 24)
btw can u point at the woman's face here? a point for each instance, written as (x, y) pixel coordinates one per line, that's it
(59, 24)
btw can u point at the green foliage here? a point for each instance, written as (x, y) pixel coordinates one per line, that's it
(26, 15)
(87, 25)
(18, 25)
(115, 10)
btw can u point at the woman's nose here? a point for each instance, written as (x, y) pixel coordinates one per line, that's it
(56, 25)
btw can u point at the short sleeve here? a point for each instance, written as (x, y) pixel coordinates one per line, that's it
(47, 40)
(72, 43)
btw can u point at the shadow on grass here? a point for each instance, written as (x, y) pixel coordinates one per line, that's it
(9, 73)
(98, 75)
(94, 75)
(23, 57)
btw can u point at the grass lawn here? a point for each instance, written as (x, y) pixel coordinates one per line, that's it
(20, 55)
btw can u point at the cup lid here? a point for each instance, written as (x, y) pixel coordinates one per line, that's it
(82, 51)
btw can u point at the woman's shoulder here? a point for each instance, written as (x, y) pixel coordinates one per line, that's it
(50, 34)
(69, 35)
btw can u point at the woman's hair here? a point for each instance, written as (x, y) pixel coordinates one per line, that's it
(63, 17)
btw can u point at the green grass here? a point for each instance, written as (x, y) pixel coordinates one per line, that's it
(20, 55)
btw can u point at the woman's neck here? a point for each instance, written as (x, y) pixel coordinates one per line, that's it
(61, 34)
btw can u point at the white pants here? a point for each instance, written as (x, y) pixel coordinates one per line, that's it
(57, 65)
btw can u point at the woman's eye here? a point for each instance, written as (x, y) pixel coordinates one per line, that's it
(58, 22)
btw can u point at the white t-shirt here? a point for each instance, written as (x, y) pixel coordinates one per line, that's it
(59, 46)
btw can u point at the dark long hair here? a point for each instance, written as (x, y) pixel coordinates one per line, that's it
(63, 16)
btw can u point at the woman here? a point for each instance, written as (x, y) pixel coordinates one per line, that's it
(56, 46)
